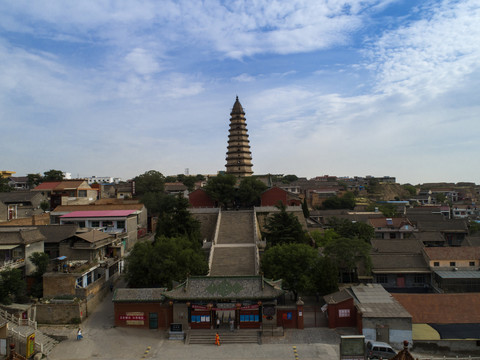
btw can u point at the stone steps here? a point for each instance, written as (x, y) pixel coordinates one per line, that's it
(45, 341)
(231, 261)
(207, 337)
(236, 227)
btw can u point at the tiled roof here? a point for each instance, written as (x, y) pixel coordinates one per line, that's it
(70, 208)
(225, 288)
(98, 213)
(395, 263)
(397, 246)
(139, 295)
(338, 297)
(17, 196)
(374, 301)
(93, 236)
(49, 185)
(453, 253)
(57, 233)
(442, 308)
(20, 236)
(393, 222)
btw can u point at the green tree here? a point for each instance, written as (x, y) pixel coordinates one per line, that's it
(176, 220)
(325, 276)
(52, 175)
(12, 286)
(161, 263)
(349, 229)
(250, 190)
(287, 179)
(345, 253)
(293, 263)
(34, 180)
(283, 228)
(306, 211)
(373, 186)
(45, 205)
(440, 198)
(473, 227)
(188, 181)
(150, 181)
(221, 188)
(388, 210)
(41, 261)
(412, 190)
(347, 201)
(4, 187)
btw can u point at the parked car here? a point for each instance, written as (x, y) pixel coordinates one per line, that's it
(377, 350)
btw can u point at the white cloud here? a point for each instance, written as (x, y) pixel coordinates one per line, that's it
(244, 78)
(430, 56)
(142, 62)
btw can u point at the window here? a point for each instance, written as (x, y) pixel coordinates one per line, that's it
(471, 263)
(81, 224)
(382, 279)
(419, 278)
(452, 263)
(120, 224)
(95, 223)
(436, 263)
(107, 223)
(82, 193)
(343, 313)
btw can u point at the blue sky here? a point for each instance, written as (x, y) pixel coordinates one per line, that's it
(346, 88)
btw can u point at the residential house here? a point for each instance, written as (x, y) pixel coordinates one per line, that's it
(450, 193)
(176, 188)
(340, 309)
(125, 190)
(453, 231)
(18, 182)
(132, 220)
(464, 211)
(90, 245)
(17, 245)
(67, 192)
(392, 228)
(54, 235)
(20, 204)
(399, 265)
(455, 269)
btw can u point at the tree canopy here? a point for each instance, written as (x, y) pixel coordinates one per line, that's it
(221, 188)
(12, 286)
(250, 190)
(41, 261)
(34, 180)
(166, 260)
(349, 229)
(4, 187)
(293, 263)
(52, 175)
(283, 228)
(175, 219)
(151, 181)
(347, 201)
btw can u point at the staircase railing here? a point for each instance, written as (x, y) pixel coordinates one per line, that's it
(215, 239)
(255, 241)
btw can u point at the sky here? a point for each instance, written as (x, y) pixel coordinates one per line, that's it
(337, 87)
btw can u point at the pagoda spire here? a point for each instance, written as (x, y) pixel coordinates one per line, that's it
(239, 157)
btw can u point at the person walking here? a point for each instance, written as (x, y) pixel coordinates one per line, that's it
(217, 339)
(218, 322)
(79, 334)
(232, 325)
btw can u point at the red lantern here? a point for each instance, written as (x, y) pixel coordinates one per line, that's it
(259, 303)
(188, 304)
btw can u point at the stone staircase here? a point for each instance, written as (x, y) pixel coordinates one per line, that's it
(207, 337)
(236, 227)
(43, 343)
(232, 261)
(234, 253)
